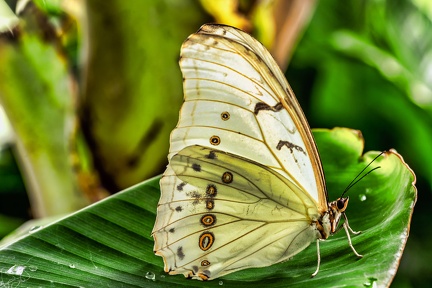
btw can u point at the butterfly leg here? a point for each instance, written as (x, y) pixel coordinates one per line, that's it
(346, 221)
(319, 259)
(346, 227)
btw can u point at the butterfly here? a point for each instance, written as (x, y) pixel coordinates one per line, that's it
(244, 186)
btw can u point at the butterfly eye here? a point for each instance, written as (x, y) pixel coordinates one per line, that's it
(340, 203)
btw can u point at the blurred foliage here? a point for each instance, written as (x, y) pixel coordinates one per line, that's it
(92, 120)
(363, 65)
(37, 93)
(12, 191)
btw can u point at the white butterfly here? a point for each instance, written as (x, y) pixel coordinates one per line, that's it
(244, 186)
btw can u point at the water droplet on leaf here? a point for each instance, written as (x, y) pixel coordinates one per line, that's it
(35, 228)
(33, 268)
(16, 270)
(150, 276)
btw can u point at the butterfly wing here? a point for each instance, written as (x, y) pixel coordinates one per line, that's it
(238, 100)
(221, 209)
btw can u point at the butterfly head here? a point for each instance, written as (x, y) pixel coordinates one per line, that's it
(336, 210)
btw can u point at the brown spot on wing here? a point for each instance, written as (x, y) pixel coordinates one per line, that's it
(180, 186)
(180, 253)
(211, 155)
(196, 167)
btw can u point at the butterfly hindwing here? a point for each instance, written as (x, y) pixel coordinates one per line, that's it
(215, 193)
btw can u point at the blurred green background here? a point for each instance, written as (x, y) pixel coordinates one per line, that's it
(92, 91)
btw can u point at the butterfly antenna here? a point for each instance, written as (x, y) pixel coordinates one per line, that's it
(357, 179)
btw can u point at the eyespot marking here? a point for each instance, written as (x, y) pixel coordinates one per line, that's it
(206, 240)
(209, 204)
(211, 190)
(215, 140)
(205, 263)
(227, 177)
(208, 220)
(225, 116)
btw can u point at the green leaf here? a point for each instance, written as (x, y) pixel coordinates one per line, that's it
(110, 243)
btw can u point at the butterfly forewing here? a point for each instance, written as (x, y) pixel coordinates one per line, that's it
(215, 193)
(235, 91)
